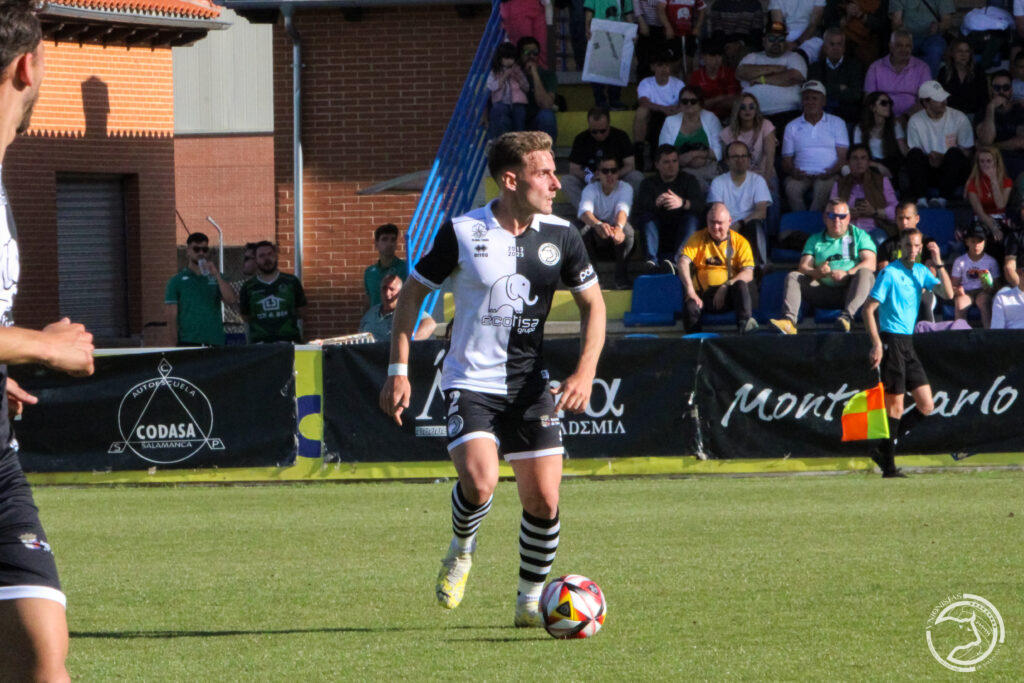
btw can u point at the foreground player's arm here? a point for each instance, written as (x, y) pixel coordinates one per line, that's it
(394, 397)
(62, 345)
(576, 388)
(871, 325)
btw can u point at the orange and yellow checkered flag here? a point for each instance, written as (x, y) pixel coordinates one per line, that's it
(864, 416)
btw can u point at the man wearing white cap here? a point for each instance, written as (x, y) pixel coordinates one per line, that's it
(940, 140)
(813, 150)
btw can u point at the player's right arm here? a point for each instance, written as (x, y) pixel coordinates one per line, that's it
(62, 345)
(394, 397)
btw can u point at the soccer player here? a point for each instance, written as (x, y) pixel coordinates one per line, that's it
(897, 297)
(33, 627)
(504, 262)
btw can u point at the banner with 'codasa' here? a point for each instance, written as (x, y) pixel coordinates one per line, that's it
(227, 407)
(783, 396)
(639, 403)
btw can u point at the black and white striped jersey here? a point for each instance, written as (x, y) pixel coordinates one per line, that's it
(503, 286)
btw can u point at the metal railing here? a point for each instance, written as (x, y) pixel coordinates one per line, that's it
(459, 164)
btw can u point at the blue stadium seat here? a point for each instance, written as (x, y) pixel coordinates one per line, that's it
(701, 335)
(807, 222)
(724, 318)
(770, 302)
(939, 224)
(641, 335)
(657, 299)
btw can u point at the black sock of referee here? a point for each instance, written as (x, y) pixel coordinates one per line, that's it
(910, 420)
(887, 461)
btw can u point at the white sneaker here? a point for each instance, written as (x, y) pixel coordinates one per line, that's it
(528, 612)
(451, 580)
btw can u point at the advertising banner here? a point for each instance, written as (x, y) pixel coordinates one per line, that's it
(230, 407)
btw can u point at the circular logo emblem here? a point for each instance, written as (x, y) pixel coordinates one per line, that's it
(455, 425)
(549, 254)
(964, 631)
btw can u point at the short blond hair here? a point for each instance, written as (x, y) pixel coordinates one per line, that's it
(511, 149)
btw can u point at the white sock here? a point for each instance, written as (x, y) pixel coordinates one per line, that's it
(529, 589)
(463, 544)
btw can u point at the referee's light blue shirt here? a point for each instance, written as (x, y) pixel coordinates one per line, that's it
(898, 292)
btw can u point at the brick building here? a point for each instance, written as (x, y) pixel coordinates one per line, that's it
(379, 85)
(92, 181)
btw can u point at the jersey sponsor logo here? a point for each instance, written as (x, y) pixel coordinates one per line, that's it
(713, 261)
(549, 254)
(271, 303)
(455, 425)
(480, 251)
(33, 542)
(165, 420)
(517, 322)
(511, 291)
(586, 273)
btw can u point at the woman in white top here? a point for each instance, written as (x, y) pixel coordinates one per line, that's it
(882, 133)
(695, 132)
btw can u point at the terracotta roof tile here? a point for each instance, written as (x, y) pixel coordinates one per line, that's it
(199, 9)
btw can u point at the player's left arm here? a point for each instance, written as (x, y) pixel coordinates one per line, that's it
(394, 397)
(576, 388)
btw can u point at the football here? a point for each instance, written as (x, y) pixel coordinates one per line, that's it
(573, 606)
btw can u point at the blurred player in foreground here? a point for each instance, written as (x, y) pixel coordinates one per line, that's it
(504, 262)
(33, 627)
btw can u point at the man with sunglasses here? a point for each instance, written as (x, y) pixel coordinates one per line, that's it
(1000, 122)
(774, 76)
(604, 213)
(836, 270)
(601, 140)
(193, 297)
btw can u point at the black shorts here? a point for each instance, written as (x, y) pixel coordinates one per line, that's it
(522, 427)
(27, 567)
(901, 369)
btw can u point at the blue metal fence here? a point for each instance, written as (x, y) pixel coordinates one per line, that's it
(459, 164)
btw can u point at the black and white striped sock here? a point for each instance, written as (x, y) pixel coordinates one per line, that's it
(538, 543)
(466, 518)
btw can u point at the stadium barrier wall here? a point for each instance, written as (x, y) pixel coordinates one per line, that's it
(660, 406)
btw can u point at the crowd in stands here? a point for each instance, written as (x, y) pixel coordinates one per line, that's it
(853, 110)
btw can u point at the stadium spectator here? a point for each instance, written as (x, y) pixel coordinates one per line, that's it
(193, 296)
(738, 25)
(964, 80)
(746, 196)
(716, 268)
(33, 622)
(907, 218)
(774, 76)
(683, 19)
(1001, 123)
(650, 38)
(898, 74)
(865, 24)
(869, 195)
(604, 214)
(803, 18)
(836, 270)
(1018, 75)
(496, 404)
(882, 133)
(748, 125)
(813, 151)
(940, 140)
(385, 241)
(657, 98)
(927, 21)
(543, 86)
(272, 302)
(610, 10)
(522, 18)
(600, 141)
(508, 85)
(896, 297)
(842, 75)
(668, 210)
(988, 192)
(975, 277)
(1012, 243)
(379, 319)
(717, 82)
(1008, 304)
(694, 131)
(234, 326)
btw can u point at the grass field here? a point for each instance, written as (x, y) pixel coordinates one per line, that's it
(780, 578)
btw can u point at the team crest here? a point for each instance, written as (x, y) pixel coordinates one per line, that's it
(549, 254)
(479, 231)
(33, 542)
(165, 420)
(455, 425)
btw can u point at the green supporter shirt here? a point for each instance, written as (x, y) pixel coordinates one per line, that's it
(373, 276)
(198, 300)
(612, 10)
(272, 308)
(842, 253)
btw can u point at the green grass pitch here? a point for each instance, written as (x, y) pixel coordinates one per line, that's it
(764, 578)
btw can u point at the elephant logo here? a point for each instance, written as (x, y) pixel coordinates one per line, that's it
(511, 291)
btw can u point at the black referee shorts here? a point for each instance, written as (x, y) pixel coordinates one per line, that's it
(522, 427)
(26, 561)
(901, 369)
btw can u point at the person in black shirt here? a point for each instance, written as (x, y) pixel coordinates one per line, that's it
(599, 141)
(999, 123)
(667, 209)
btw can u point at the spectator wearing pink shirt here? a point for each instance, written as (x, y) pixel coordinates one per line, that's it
(526, 18)
(899, 74)
(869, 194)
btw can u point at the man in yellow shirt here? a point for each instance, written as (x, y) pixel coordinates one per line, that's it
(717, 270)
